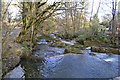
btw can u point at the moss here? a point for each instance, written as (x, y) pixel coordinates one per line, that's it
(25, 45)
(77, 45)
(9, 63)
(35, 47)
(33, 57)
(73, 49)
(115, 51)
(56, 39)
(92, 54)
(27, 52)
(48, 40)
(105, 50)
(79, 41)
(11, 56)
(10, 47)
(58, 44)
(88, 43)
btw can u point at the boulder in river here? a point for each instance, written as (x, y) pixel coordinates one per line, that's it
(89, 43)
(74, 49)
(92, 54)
(105, 49)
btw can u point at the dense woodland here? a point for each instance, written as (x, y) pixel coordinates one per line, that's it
(67, 20)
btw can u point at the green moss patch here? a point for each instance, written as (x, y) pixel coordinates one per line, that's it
(74, 49)
(94, 43)
(92, 54)
(106, 50)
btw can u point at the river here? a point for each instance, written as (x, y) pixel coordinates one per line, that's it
(55, 64)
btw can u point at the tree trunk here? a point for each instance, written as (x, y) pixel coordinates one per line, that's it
(114, 4)
(91, 13)
(119, 24)
(98, 7)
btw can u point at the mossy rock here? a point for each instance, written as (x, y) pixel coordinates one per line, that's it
(48, 40)
(44, 37)
(27, 52)
(58, 44)
(94, 43)
(114, 51)
(79, 41)
(51, 40)
(92, 54)
(33, 58)
(73, 49)
(56, 39)
(106, 50)
(77, 46)
(35, 47)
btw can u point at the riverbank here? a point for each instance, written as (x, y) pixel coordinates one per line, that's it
(12, 52)
(12, 57)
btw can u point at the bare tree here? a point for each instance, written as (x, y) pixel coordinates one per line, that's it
(92, 10)
(98, 7)
(119, 23)
(114, 5)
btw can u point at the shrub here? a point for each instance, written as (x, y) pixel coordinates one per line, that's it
(94, 32)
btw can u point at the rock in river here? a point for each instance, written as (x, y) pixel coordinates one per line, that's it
(74, 49)
(106, 49)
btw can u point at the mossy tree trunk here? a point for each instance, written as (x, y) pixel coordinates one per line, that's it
(32, 19)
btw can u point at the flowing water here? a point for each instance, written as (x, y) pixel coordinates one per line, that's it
(55, 64)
